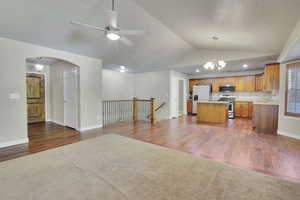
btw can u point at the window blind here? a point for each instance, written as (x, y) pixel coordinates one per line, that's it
(293, 90)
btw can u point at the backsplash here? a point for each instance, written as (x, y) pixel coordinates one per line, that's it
(248, 95)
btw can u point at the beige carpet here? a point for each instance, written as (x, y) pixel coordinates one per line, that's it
(115, 167)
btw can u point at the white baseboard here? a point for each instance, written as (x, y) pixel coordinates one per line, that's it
(292, 135)
(13, 142)
(57, 122)
(90, 128)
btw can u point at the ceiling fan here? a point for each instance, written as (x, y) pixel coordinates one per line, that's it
(112, 31)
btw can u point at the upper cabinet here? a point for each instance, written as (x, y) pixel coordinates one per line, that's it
(271, 77)
(199, 82)
(244, 83)
(259, 82)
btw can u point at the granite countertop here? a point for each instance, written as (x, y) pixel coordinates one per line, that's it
(214, 102)
(260, 101)
(276, 103)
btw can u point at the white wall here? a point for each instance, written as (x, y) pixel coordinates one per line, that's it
(117, 85)
(154, 85)
(290, 45)
(161, 85)
(289, 126)
(57, 90)
(174, 93)
(13, 115)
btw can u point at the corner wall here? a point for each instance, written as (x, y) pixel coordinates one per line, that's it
(161, 85)
(174, 93)
(288, 126)
(154, 85)
(118, 85)
(13, 115)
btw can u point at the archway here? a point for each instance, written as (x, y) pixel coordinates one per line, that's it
(52, 96)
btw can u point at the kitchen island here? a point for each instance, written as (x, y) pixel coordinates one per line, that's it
(212, 111)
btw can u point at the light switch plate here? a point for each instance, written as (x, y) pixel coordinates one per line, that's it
(14, 96)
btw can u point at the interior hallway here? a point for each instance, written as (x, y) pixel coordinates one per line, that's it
(235, 143)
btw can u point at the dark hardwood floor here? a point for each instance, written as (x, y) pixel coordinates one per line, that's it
(234, 143)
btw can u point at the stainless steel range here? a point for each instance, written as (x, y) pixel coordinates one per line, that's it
(230, 100)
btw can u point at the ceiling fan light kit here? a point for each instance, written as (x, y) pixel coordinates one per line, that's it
(113, 36)
(215, 64)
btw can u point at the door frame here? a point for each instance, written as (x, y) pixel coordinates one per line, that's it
(181, 98)
(76, 75)
(45, 91)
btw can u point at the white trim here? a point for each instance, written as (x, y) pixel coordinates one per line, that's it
(90, 128)
(56, 122)
(292, 135)
(13, 142)
(291, 117)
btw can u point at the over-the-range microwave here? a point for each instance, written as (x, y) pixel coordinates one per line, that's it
(227, 88)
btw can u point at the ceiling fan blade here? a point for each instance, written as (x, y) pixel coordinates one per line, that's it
(87, 26)
(126, 41)
(132, 32)
(113, 18)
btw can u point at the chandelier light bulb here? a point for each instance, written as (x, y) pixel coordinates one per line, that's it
(215, 64)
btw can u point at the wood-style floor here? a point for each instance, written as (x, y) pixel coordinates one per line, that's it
(234, 143)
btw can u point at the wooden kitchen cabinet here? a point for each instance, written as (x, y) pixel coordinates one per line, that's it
(249, 83)
(271, 77)
(190, 106)
(243, 109)
(262, 82)
(193, 82)
(259, 82)
(265, 118)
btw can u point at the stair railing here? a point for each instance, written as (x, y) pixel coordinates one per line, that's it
(128, 110)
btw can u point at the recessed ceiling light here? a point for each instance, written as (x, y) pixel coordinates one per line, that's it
(197, 70)
(39, 67)
(123, 70)
(245, 65)
(122, 67)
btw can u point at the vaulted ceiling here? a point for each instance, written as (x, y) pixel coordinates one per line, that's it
(178, 32)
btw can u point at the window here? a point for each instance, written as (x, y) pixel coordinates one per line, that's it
(293, 90)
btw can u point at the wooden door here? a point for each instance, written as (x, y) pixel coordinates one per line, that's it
(259, 82)
(245, 110)
(238, 109)
(239, 84)
(216, 84)
(249, 83)
(271, 77)
(189, 106)
(35, 97)
(242, 109)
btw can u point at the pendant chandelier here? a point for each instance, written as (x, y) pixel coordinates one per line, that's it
(215, 64)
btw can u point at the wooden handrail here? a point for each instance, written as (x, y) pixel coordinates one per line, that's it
(158, 108)
(146, 100)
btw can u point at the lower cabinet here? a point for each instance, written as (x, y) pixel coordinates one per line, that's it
(265, 118)
(189, 106)
(243, 109)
